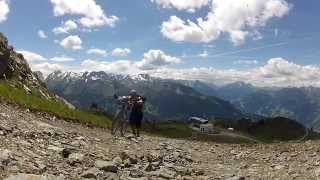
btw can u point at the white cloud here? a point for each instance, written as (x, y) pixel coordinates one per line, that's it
(276, 72)
(246, 62)
(155, 59)
(178, 30)
(90, 22)
(119, 67)
(62, 59)
(65, 27)
(46, 68)
(186, 5)
(204, 54)
(239, 19)
(121, 52)
(152, 59)
(92, 14)
(72, 42)
(238, 37)
(31, 56)
(99, 52)
(42, 34)
(4, 10)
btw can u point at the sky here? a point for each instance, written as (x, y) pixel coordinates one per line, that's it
(263, 42)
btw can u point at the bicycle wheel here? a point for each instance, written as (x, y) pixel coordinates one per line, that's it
(116, 123)
(124, 127)
(125, 122)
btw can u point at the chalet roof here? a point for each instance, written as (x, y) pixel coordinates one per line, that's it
(200, 120)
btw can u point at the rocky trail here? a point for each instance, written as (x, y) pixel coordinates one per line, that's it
(36, 146)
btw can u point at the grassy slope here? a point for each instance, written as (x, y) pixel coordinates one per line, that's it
(170, 130)
(270, 130)
(280, 129)
(16, 94)
(183, 131)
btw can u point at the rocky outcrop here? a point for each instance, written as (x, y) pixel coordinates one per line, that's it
(4, 55)
(14, 67)
(13, 64)
(39, 75)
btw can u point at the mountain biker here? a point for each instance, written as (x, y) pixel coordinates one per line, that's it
(136, 115)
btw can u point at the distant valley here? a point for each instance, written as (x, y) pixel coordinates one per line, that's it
(301, 104)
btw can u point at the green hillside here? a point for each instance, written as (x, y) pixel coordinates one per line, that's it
(13, 92)
(301, 104)
(269, 129)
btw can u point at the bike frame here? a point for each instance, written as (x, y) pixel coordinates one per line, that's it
(121, 119)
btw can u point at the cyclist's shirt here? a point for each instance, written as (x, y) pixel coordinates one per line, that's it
(137, 102)
(127, 104)
(136, 114)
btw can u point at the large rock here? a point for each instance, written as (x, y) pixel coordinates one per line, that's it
(117, 161)
(106, 166)
(76, 158)
(14, 66)
(164, 173)
(68, 150)
(4, 64)
(4, 55)
(12, 63)
(129, 157)
(91, 173)
(5, 157)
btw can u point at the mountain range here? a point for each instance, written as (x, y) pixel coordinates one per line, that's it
(179, 99)
(301, 104)
(166, 99)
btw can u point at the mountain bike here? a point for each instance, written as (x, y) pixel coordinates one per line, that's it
(121, 118)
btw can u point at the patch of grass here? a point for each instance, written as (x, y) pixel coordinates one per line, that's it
(268, 130)
(278, 129)
(183, 131)
(12, 93)
(170, 130)
(313, 136)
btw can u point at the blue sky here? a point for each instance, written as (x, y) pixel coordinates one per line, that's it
(163, 37)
